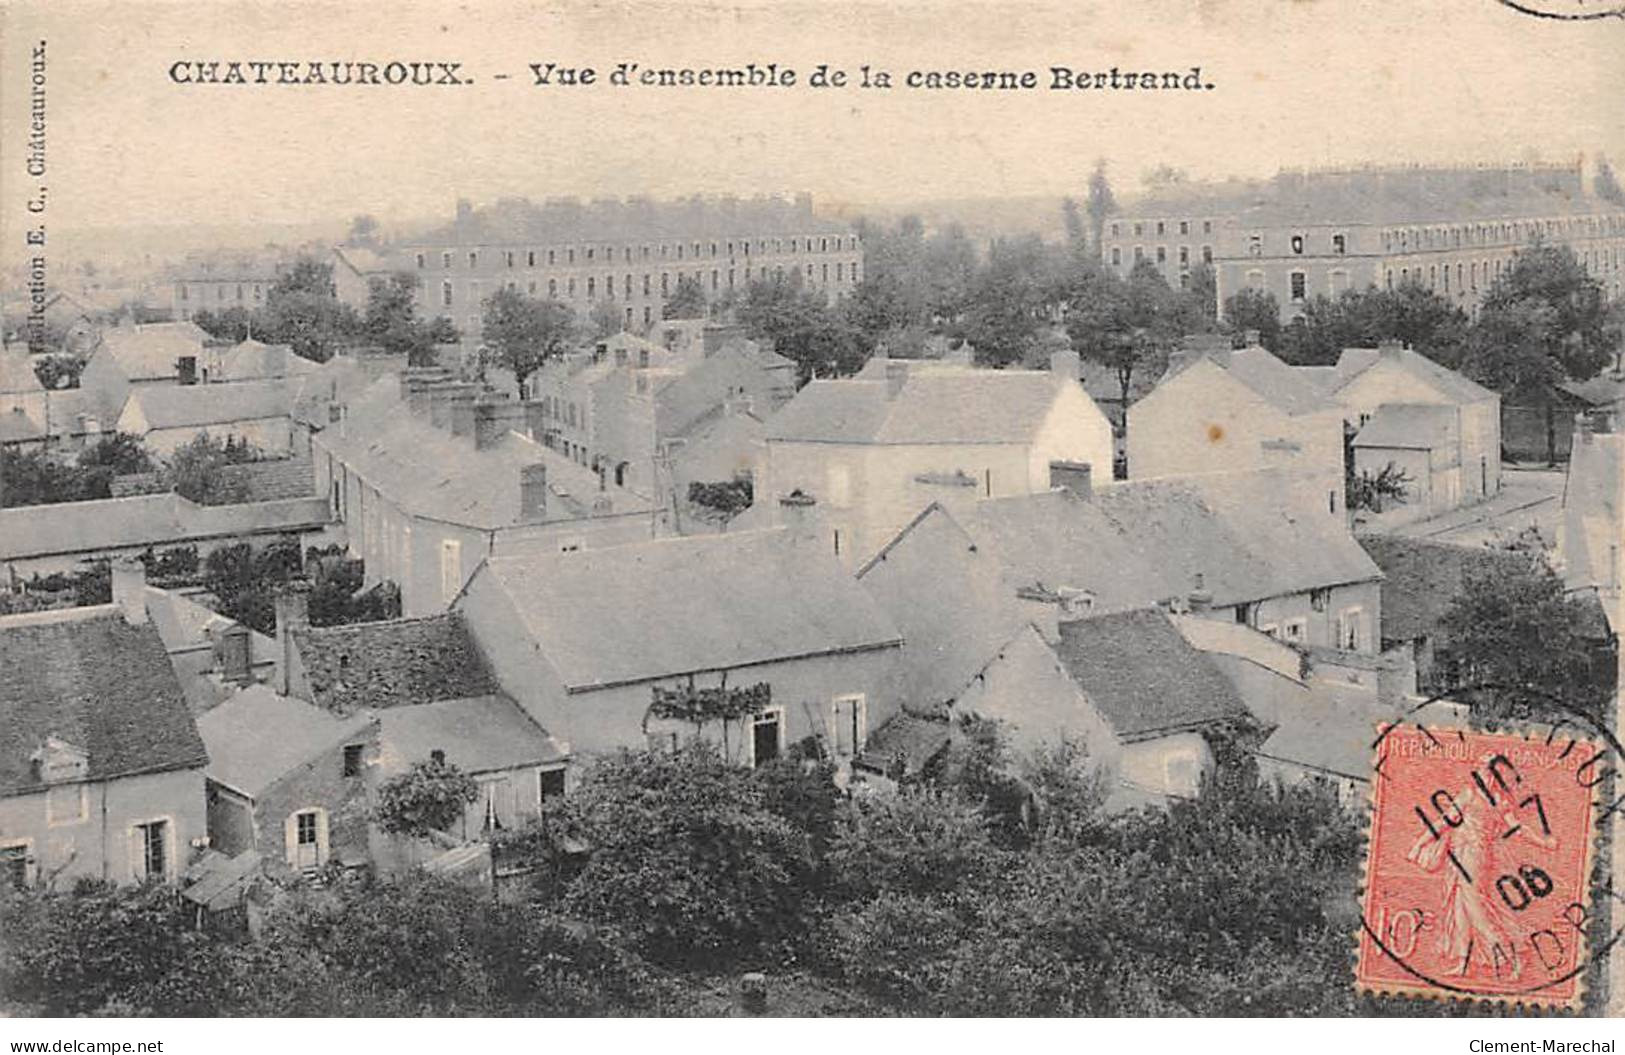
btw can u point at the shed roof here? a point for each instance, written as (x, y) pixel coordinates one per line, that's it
(480, 734)
(256, 737)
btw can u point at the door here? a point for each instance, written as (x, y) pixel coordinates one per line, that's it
(307, 842)
(850, 722)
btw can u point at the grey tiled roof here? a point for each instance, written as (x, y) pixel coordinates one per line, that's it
(88, 677)
(1143, 676)
(394, 663)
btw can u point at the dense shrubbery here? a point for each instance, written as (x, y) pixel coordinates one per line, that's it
(1224, 905)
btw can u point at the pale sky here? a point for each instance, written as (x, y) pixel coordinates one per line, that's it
(1298, 83)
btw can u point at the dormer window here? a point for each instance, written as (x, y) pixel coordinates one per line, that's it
(57, 761)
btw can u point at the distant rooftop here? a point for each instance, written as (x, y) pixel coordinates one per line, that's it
(518, 221)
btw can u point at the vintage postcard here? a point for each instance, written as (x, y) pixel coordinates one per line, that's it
(853, 509)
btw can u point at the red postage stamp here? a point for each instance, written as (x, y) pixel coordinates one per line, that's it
(1477, 881)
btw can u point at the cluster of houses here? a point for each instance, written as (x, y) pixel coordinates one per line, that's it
(927, 542)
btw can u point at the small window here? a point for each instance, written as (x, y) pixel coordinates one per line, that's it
(767, 736)
(1299, 286)
(14, 866)
(1297, 244)
(152, 849)
(1294, 630)
(1319, 599)
(1339, 244)
(352, 759)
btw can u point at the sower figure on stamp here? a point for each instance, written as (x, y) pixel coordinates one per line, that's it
(1464, 852)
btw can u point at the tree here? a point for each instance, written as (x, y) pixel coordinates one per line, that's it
(688, 859)
(920, 841)
(1077, 232)
(1257, 310)
(686, 302)
(302, 310)
(521, 333)
(233, 324)
(604, 320)
(37, 478)
(1578, 339)
(1023, 283)
(1128, 325)
(1605, 185)
(801, 325)
(243, 580)
(119, 452)
(1513, 640)
(391, 320)
(199, 470)
(363, 230)
(58, 371)
(1372, 491)
(1101, 204)
(429, 797)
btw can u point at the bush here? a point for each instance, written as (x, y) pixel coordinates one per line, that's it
(429, 797)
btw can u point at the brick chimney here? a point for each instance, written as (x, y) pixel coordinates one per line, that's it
(535, 419)
(1075, 478)
(492, 421)
(799, 513)
(533, 493)
(1200, 598)
(130, 589)
(292, 603)
(233, 652)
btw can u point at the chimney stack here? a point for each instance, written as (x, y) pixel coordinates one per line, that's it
(130, 589)
(1075, 478)
(798, 512)
(535, 419)
(446, 394)
(292, 603)
(233, 653)
(896, 376)
(1065, 364)
(492, 421)
(1389, 348)
(533, 493)
(1200, 598)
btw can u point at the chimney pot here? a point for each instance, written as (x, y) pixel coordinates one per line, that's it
(1075, 478)
(130, 589)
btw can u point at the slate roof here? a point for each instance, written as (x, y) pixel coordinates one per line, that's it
(256, 361)
(1331, 735)
(1056, 540)
(914, 740)
(64, 406)
(941, 405)
(144, 520)
(517, 221)
(88, 677)
(1248, 534)
(480, 734)
(394, 663)
(1421, 579)
(429, 472)
(17, 372)
(1452, 386)
(274, 479)
(256, 737)
(195, 406)
(1409, 426)
(149, 352)
(1284, 387)
(17, 427)
(1143, 676)
(723, 601)
(1600, 391)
